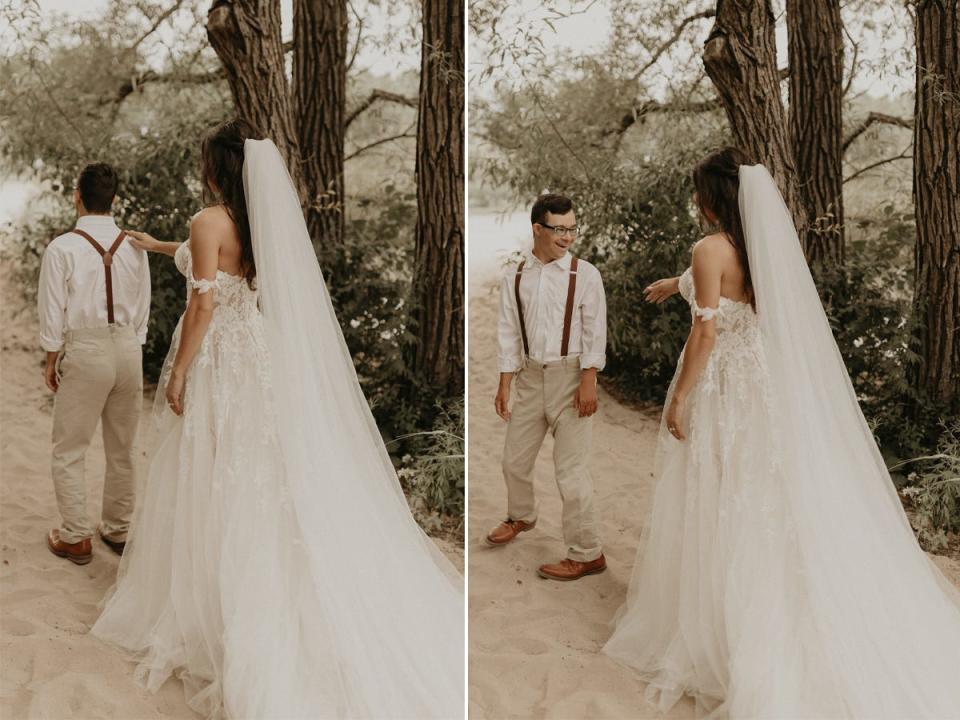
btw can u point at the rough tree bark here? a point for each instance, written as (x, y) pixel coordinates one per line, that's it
(319, 97)
(815, 35)
(438, 312)
(936, 189)
(740, 57)
(245, 34)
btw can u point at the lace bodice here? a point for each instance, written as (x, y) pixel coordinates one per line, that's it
(736, 363)
(233, 297)
(734, 318)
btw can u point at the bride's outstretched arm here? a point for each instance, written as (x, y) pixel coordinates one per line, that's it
(660, 290)
(145, 241)
(204, 252)
(707, 271)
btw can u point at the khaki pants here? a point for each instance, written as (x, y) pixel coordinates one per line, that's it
(101, 378)
(543, 400)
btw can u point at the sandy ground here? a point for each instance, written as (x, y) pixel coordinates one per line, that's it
(50, 667)
(534, 644)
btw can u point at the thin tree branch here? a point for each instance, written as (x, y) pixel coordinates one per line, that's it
(678, 31)
(376, 95)
(905, 155)
(563, 140)
(853, 62)
(56, 105)
(872, 118)
(653, 106)
(356, 45)
(493, 141)
(405, 134)
(156, 24)
(135, 83)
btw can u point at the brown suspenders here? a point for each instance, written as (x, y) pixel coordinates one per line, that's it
(523, 325)
(107, 256)
(567, 313)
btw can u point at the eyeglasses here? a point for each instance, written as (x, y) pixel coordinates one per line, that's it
(561, 230)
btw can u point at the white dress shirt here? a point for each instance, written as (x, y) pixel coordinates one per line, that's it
(73, 283)
(543, 294)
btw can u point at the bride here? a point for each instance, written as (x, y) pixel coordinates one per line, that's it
(273, 563)
(779, 576)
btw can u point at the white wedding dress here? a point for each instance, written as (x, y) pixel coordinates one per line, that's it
(778, 577)
(273, 564)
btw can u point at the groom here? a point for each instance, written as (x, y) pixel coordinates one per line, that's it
(93, 302)
(552, 335)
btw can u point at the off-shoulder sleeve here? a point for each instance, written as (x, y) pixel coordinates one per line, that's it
(705, 314)
(203, 285)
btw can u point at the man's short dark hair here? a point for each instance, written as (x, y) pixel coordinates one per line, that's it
(98, 185)
(550, 203)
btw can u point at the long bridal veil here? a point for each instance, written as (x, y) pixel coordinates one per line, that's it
(883, 619)
(391, 603)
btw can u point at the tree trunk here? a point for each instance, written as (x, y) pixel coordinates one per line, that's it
(740, 57)
(319, 97)
(438, 310)
(245, 34)
(936, 190)
(815, 34)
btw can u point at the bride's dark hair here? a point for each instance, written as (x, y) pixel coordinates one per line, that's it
(222, 167)
(716, 179)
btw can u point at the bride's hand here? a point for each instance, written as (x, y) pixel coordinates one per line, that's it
(143, 241)
(675, 418)
(660, 290)
(174, 393)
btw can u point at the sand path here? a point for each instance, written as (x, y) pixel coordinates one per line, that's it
(50, 667)
(534, 644)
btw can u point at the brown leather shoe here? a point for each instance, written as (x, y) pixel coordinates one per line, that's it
(507, 531)
(116, 545)
(572, 569)
(79, 553)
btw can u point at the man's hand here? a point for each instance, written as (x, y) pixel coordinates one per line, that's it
(585, 399)
(50, 372)
(503, 396)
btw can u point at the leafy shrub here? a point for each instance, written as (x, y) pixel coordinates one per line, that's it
(932, 494)
(434, 477)
(868, 303)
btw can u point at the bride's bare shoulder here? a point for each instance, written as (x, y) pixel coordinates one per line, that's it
(214, 217)
(714, 241)
(214, 222)
(713, 247)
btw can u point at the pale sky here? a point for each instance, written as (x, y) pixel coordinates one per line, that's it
(377, 22)
(586, 32)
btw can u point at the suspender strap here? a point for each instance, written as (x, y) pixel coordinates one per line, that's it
(107, 256)
(568, 312)
(523, 325)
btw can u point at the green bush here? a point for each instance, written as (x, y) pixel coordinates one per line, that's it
(868, 302)
(932, 494)
(433, 476)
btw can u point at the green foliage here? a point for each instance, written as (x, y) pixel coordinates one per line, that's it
(868, 303)
(648, 236)
(434, 476)
(932, 494)
(369, 281)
